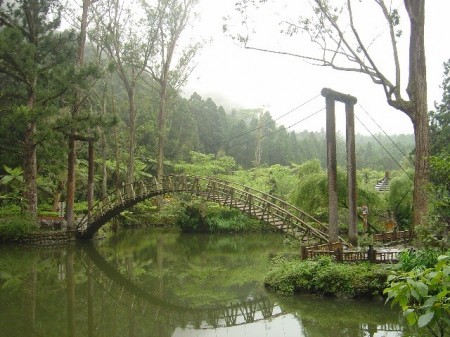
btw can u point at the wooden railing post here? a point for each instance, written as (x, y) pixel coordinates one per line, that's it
(372, 254)
(304, 252)
(338, 255)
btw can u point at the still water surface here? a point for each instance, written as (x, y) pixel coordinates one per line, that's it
(158, 284)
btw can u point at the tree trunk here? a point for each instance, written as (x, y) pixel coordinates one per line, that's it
(90, 192)
(56, 201)
(30, 158)
(101, 131)
(161, 131)
(30, 169)
(132, 129)
(70, 198)
(71, 161)
(417, 92)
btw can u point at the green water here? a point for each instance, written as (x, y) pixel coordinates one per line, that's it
(155, 284)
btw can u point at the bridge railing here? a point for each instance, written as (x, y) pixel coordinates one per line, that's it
(116, 197)
(251, 201)
(279, 202)
(281, 205)
(258, 204)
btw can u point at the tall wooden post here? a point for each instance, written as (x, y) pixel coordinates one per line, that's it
(330, 97)
(332, 169)
(351, 174)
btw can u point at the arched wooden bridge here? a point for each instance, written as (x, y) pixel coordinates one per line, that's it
(260, 205)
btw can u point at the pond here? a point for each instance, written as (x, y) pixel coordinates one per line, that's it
(166, 283)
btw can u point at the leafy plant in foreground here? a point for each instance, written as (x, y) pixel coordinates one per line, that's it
(424, 296)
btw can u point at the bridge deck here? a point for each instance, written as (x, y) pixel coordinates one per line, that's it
(255, 203)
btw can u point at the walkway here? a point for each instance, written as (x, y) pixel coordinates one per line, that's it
(257, 204)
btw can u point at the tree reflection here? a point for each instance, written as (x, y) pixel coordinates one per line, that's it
(168, 284)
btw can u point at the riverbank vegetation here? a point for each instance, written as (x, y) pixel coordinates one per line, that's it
(324, 276)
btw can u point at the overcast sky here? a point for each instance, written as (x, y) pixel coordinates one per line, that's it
(240, 78)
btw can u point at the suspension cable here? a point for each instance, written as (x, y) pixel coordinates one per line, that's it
(395, 144)
(260, 126)
(384, 148)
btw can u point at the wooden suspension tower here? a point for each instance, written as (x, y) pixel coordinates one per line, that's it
(331, 97)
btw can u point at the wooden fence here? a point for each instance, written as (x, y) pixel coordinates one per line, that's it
(393, 236)
(340, 254)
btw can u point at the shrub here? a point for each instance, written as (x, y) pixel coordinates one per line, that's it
(221, 219)
(203, 217)
(192, 219)
(16, 227)
(324, 276)
(435, 233)
(10, 211)
(411, 259)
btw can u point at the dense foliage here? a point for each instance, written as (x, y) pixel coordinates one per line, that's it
(14, 225)
(324, 276)
(246, 146)
(423, 295)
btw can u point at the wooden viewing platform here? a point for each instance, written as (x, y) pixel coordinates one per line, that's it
(342, 254)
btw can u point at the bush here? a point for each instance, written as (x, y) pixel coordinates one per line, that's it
(10, 211)
(16, 227)
(193, 219)
(227, 220)
(324, 276)
(412, 259)
(80, 207)
(435, 233)
(203, 217)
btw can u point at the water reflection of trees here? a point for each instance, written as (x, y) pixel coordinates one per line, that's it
(148, 285)
(331, 317)
(199, 269)
(232, 312)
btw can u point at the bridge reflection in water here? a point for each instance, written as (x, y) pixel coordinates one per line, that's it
(261, 316)
(254, 315)
(232, 313)
(143, 284)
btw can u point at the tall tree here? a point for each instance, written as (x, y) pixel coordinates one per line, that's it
(71, 160)
(172, 65)
(343, 46)
(129, 42)
(34, 55)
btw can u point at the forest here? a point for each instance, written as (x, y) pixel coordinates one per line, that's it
(86, 109)
(92, 101)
